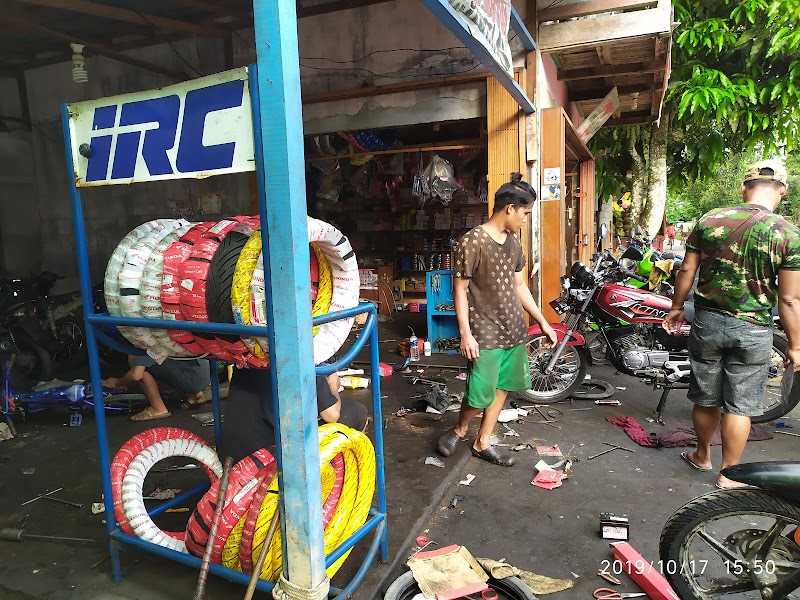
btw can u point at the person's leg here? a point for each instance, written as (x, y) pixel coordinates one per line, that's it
(706, 421)
(746, 374)
(490, 414)
(354, 414)
(150, 391)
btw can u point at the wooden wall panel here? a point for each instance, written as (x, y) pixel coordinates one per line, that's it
(552, 229)
(588, 208)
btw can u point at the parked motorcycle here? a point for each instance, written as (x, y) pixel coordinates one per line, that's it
(731, 542)
(628, 321)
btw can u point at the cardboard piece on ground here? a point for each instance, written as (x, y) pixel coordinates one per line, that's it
(650, 580)
(549, 451)
(447, 573)
(540, 584)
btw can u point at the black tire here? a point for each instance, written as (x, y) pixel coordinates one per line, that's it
(71, 349)
(774, 406)
(568, 372)
(125, 402)
(220, 280)
(594, 389)
(750, 512)
(31, 365)
(510, 588)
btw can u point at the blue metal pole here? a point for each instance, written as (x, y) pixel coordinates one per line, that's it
(285, 202)
(91, 345)
(212, 366)
(377, 424)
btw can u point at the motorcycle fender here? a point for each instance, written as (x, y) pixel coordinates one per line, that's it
(577, 338)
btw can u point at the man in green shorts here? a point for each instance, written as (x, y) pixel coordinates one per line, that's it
(490, 293)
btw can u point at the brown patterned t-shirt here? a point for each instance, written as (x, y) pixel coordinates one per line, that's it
(496, 316)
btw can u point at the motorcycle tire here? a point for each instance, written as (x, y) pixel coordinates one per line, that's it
(684, 565)
(594, 389)
(220, 280)
(71, 346)
(774, 406)
(568, 373)
(32, 365)
(509, 588)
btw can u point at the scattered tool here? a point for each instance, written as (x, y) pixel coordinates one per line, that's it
(199, 593)
(49, 496)
(613, 447)
(173, 468)
(788, 433)
(487, 594)
(609, 594)
(18, 535)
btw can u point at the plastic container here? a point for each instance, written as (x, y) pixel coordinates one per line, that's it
(353, 382)
(413, 350)
(427, 348)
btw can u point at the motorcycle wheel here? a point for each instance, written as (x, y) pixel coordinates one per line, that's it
(708, 546)
(70, 351)
(774, 407)
(31, 365)
(568, 372)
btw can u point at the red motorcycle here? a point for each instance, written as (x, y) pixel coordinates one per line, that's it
(624, 323)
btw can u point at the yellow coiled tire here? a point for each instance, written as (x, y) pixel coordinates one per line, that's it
(352, 508)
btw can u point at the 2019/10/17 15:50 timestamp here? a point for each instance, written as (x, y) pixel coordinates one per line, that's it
(663, 567)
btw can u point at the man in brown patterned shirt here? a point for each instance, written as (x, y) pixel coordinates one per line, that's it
(490, 293)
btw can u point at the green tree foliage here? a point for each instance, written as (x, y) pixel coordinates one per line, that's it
(734, 88)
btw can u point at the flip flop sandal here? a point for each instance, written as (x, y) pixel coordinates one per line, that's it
(694, 465)
(186, 405)
(148, 415)
(494, 456)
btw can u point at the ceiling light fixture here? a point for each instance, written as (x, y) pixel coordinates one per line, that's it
(79, 74)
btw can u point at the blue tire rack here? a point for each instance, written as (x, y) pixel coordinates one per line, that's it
(376, 524)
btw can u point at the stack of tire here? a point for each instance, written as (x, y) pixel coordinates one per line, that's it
(213, 272)
(347, 466)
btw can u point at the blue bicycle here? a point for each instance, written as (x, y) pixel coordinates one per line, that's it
(76, 398)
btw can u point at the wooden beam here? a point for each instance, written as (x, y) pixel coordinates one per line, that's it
(330, 7)
(430, 147)
(24, 25)
(209, 7)
(131, 16)
(579, 8)
(394, 88)
(600, 93)
(597, 30)
(632, 118)
(637, 68)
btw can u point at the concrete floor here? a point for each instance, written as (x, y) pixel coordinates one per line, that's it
(500, 515)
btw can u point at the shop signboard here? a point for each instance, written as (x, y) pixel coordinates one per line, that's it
(598, 116)
(487, 21)
(194, 129)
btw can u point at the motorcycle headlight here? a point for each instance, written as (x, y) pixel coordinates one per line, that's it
(628, 264)
(581, 276)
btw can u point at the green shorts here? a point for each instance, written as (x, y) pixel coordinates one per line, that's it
(497, 369)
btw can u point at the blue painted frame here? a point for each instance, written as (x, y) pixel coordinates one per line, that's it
(376, 524)
(450, 18)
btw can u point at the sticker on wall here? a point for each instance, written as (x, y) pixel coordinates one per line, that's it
(552, 176)
(551, 192)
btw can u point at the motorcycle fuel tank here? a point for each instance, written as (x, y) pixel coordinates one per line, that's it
(633, 305)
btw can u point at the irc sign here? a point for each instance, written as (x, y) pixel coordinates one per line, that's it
(196, 129)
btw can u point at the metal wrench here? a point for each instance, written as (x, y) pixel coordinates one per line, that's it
(613, 447)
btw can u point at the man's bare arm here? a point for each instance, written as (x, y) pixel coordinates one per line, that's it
(789, 311)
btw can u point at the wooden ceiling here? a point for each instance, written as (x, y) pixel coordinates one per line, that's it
(601, 44)
(34, 33)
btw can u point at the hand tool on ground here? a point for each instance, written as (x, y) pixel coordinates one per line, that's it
(223, 489)
(49, 496)
(613, 447)
(787, 433)
(18, 535)
(487, 594)
(609, 594)
(273, 526)
(170, 469)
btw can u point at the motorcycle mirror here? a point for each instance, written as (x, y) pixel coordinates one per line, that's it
(603, 230)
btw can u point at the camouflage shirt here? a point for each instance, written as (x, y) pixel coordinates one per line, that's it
(740, 279)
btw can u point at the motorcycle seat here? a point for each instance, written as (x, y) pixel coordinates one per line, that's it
(777, 476)
(688, 311)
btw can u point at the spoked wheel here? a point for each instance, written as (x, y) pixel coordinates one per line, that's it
(71, 351)
(567, 374)
(731, 544)
(774, 408)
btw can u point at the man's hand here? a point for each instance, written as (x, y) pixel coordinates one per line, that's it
(793, 358)
(674, 319)
(112, 383)
(551, 335)
(469, 347)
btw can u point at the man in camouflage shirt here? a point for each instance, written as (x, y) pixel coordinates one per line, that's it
(750, 261)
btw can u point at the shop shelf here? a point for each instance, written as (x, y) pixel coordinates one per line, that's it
(441, 323)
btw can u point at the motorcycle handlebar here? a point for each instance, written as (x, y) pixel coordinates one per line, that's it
(633, 275)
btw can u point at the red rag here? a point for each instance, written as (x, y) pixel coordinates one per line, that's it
(635, 431)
